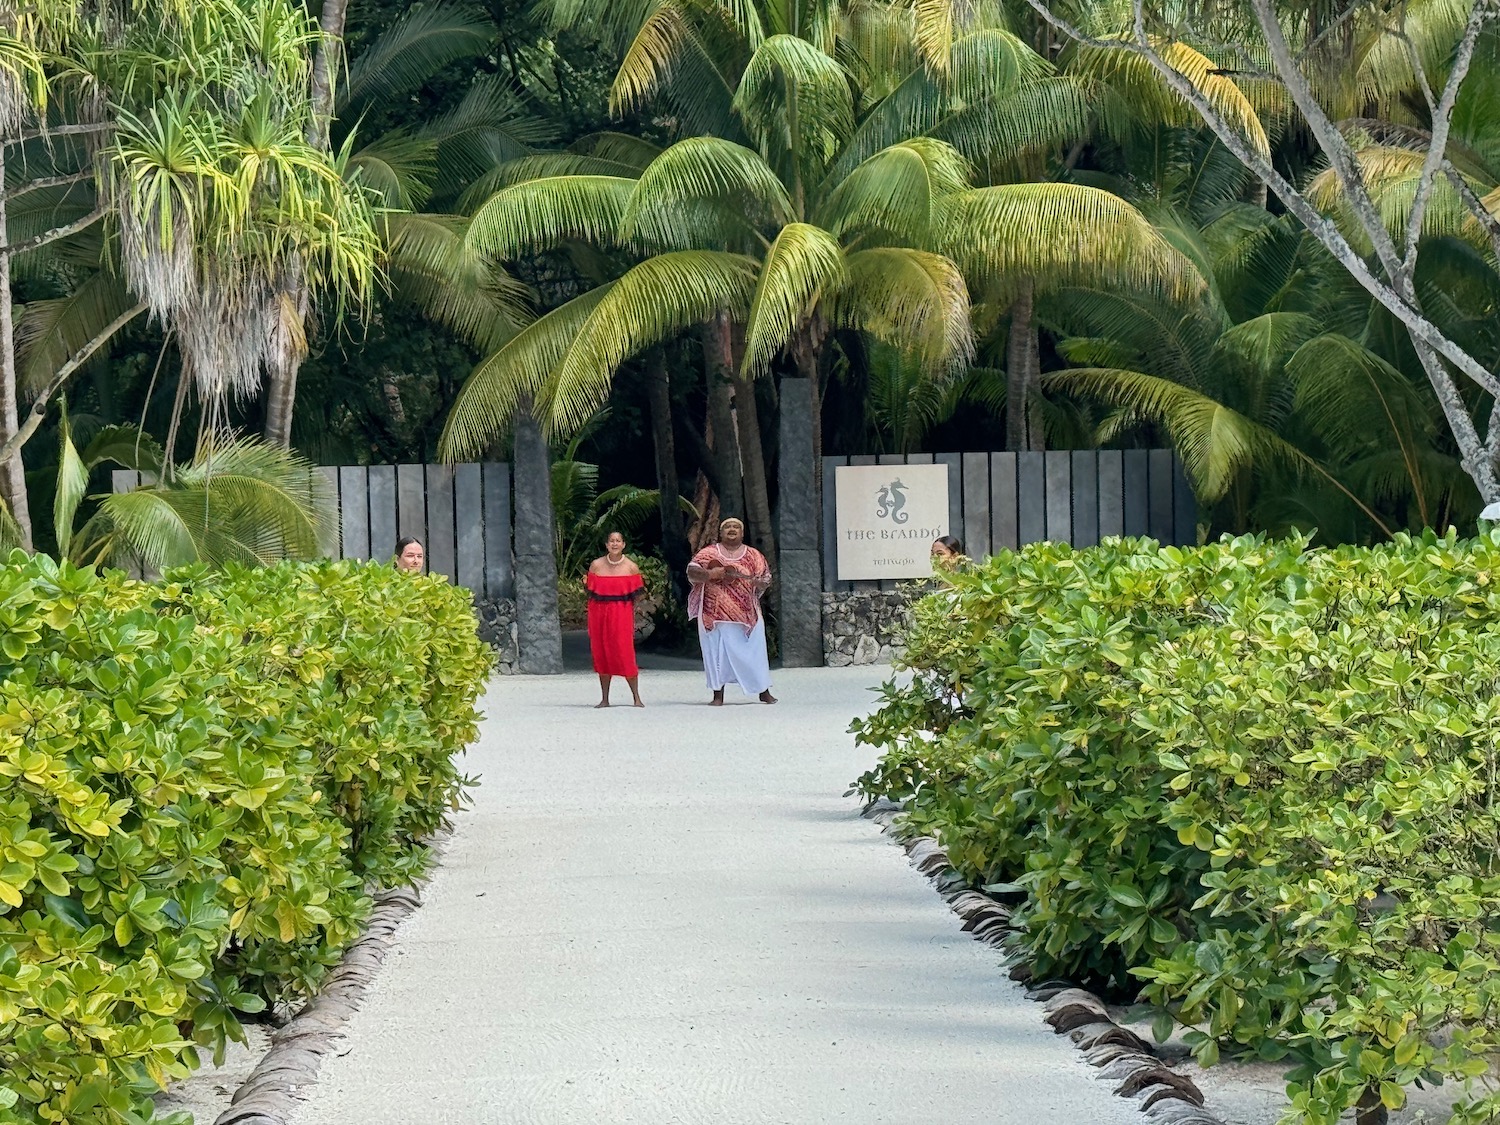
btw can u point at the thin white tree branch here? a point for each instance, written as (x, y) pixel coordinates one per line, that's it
(1318, 225)
(38, 408)
(54, 234)
(48, 182)
(1442, 120)
(1476, 207)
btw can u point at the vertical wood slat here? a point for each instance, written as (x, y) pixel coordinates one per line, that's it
(1111, 493)
(976, 518)
(864, 583)
(1159, 516)
(1031, 498)
(1059, 495)
(1137, 485)
(330, 489)
(1085, 498)
(382, 487)
(354, 512)
(499, 570)
(468, 547)
(830, 529)
(442, 546)
(954, 462)
(1184, 507)
(411, 502)
(1003, 494)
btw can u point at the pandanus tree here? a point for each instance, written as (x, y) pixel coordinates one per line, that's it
(196, 165)
(842, 202)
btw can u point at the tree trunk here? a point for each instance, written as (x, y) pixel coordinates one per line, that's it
(718, 370)
(762, 533)
(13, 471)
(325, 66)
(539, 630)
(1023, 422)
(753, 456)
(674, 543)
(281, 386)
(807, 353)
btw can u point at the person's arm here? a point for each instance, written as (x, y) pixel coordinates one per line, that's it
(698, 575)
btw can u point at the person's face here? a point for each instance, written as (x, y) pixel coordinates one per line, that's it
(615, 545)
(941, 555)
(731, 534)
(411, 558)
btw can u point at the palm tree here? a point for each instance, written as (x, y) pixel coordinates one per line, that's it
(835, 215)
(238, 501)
(1286, 411)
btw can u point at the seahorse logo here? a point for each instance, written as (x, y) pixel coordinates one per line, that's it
(892, 499)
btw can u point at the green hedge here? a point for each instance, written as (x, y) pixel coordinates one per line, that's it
(205, 777)
(1254, 781)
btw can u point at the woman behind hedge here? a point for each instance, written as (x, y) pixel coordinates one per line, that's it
(409, 555)
(613, 583)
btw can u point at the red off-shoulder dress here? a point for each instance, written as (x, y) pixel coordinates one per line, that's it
(612, 622)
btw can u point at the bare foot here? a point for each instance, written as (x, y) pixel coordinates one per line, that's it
(638, 703)
(601, 706)
(767, 697)
(718, 699)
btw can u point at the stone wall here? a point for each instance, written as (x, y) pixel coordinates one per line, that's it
(864, 627)
(497, 626)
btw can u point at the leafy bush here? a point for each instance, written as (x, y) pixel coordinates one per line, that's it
(1256, 778)
(205, 779)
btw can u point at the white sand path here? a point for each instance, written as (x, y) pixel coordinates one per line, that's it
(673, 916)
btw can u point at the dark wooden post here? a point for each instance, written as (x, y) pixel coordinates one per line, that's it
(799, 586)
(538, 631)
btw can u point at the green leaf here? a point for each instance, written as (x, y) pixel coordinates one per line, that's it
(68, 910)
(1127, 895)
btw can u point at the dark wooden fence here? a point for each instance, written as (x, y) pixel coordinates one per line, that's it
(461, 513)
(1000, 500)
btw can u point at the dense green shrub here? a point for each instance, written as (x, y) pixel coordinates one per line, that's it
(204, 779)
(1257, 779)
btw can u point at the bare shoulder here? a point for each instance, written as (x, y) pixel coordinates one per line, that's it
(597, 566)
(633, 569)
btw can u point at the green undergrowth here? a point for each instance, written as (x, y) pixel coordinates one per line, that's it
(204, 780)
(1252, 782)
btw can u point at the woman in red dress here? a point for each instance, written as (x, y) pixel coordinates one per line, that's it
(613, 583)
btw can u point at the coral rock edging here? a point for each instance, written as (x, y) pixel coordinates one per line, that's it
(1121, 1055)
(273, 1092)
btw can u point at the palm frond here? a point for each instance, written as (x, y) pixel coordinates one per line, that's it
(1060, 234)
(911, 300)
(517, 372)
(653, 301)
(53, 331)
(415, 48)
(1216, 444)
(537, 215)
(700, 187)
(1145, 90)
(804, 265)
(897, 192)
(430, 263)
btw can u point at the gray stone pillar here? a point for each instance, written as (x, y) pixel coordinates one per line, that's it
(538, 630)
(799, 586)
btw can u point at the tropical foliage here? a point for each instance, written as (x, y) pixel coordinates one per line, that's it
(1251, 782)
(180, 857)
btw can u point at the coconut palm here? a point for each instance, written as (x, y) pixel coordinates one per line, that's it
(834, 215)
(238, 501)
(1286, 412)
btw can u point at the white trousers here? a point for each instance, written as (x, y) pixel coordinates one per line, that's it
(731, 656)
